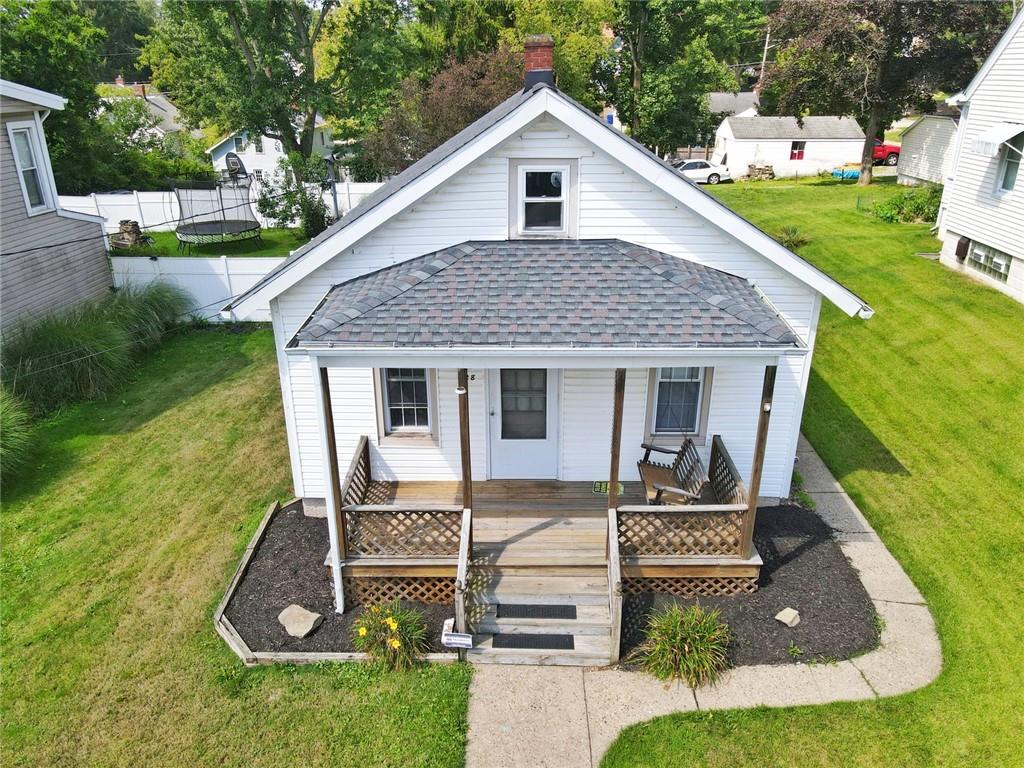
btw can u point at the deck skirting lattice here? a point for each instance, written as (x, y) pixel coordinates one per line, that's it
(692, 586)
(370, 590)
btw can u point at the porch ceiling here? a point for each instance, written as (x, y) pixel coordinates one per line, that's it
(564, 294)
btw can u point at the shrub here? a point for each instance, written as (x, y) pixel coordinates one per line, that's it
(914, 205)
(792, 238)
(15, 432)
(392, 635)
(84, 352)
(687, 644)
(295, 192)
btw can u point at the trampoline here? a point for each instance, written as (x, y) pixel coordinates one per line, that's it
(213, 212)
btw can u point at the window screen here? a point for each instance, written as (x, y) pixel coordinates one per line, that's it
(678, 399)
(524, 406)
(407, 407)
(29, 168)
(543, 199)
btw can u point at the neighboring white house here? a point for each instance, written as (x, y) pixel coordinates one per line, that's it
(926, 155)
(981, 221)
(791, 148)
(50, 258)
(262, 154)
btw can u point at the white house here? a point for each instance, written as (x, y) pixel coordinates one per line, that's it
(50, 258)
(509, 321)
(926, 155)
(981, 221)
(261, 154)
(739, 104)
(791, 148)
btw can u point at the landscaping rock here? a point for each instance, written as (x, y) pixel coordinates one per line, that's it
(297, 621)
(788, 616)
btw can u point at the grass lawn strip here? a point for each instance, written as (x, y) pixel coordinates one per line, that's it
(918, 413)
(272, 242)
(116, 545)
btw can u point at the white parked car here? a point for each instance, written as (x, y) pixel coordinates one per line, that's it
(703, 172)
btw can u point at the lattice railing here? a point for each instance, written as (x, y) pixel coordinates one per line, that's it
(725, 478)
(357, 481)
(399, 530)
(669, 531)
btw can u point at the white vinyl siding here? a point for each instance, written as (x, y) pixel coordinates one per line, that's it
(926, 151)
(613, 202)
(973, 204)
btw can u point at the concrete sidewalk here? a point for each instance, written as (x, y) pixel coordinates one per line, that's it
(568, 717)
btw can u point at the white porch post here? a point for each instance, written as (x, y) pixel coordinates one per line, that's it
(329, 457)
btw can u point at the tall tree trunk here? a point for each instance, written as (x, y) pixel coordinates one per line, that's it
(867, 155)
(637, 86)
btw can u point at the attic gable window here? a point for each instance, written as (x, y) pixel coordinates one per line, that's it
(541, 198)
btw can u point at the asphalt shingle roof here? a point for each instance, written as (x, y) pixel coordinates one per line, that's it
(817, 127)
(549, 293)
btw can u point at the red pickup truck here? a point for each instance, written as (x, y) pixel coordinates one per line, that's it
(886, 153)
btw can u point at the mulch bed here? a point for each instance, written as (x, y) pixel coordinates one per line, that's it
(288, 567)
(804, 568)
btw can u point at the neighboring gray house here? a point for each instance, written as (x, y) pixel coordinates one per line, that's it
(49, 258)
(741, 104)
(981, 220)
(926, 155)
(791, 147)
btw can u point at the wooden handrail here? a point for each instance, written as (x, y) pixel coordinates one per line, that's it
(462, 571)
(362, 448)
(614, 584)
(682, 508)
(406, 507)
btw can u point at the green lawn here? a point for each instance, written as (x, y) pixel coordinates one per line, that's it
(272, 242)
(920, 414)
(116, 546)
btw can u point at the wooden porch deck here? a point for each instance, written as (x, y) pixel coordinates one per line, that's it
(522, 522)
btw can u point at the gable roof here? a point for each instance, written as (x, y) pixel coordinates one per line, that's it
(546, 293)
(30, 95)
(816, 127)
(726, 103)
(488, 132)
(1014, 28)
(923, 118)
(318, 122)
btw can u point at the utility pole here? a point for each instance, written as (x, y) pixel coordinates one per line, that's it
(764, 57)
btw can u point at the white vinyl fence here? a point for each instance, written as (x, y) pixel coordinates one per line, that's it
(211, 282)
(159, 210)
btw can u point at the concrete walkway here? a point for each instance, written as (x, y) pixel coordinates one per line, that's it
(568, 717)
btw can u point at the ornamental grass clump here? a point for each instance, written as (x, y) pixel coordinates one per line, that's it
(688, 644)
(392, 635)
(15, 433)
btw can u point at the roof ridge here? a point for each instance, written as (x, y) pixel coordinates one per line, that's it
(704, 293)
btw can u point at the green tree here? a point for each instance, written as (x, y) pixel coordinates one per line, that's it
(875, 59)
(124, 22)
(672, 53)
(443, 30)
(246, 65)
(53, 46)
(366, 42)
(582, 46)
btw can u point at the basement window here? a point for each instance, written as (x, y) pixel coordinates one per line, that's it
(989, 261)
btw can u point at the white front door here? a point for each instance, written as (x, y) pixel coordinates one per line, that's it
(523, 407)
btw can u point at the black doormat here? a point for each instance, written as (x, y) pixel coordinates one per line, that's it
(538, 642)
(519, 611)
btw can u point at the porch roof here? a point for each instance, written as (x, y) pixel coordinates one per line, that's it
(545, 293)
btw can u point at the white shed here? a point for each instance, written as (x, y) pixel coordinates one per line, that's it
(926, 156)
(791, 147)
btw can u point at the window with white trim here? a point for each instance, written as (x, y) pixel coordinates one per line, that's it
(241, 143)
(543, 205)
(989, 261)
(678, 397)
(406, 400)
(28, 159)
(1010, 169)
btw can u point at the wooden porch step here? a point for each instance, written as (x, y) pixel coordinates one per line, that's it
(590, 620)
(539, 589)
(589, 651)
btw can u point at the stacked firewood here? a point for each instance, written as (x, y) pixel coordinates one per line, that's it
(760, 172)
(129, 233)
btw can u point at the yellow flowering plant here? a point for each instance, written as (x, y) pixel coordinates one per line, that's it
(391, 634)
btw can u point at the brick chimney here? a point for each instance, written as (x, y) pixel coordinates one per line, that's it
(139, 89)
(540, 54)
(119, 80)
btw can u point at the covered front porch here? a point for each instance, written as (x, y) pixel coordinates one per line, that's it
(536, 564)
